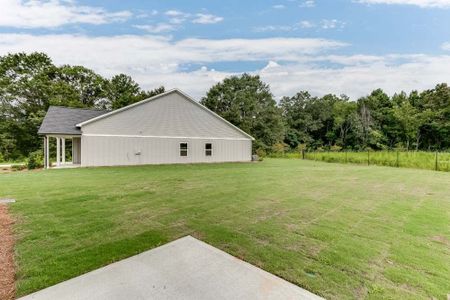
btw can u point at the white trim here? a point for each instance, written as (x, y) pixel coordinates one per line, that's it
(66, 136)
(58, 151)
(166, 137)
(63, 150)
(157, 97)
(47, 152)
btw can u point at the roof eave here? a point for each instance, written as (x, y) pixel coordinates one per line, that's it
(58, 133)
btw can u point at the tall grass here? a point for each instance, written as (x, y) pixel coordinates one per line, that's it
(417, 160)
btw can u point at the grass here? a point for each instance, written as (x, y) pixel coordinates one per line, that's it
(412, 159)
(8, 163)
(341, 231)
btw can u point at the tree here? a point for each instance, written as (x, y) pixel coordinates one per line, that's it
(152, 93)
(122, 90)
(247, 102)
(407, 116)
(82, 86)
(436, 132)
(25, 90)
(344, 120)
(376, 120)
(317, 121)
(298, 118)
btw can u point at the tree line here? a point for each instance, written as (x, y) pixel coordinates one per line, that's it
(414, 121)
(30, 83)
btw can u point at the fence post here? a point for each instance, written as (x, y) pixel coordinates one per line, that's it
(368, 157)
(436, 162)
(346, 156)
(303, 153)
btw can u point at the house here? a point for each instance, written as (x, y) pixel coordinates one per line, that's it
(165, 129)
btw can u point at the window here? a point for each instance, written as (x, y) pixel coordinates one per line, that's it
(208, 149)
(183, 149)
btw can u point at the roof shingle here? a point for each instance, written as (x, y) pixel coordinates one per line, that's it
(62, 120)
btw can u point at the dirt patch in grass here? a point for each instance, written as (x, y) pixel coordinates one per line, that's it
(5, 170)
(441, 239)
(7, 288)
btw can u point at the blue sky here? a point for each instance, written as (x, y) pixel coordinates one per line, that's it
(324, 46)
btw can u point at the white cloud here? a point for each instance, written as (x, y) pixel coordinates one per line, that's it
(306, 24)
(420, 3)
(332, 24)
(157, 28)
(278, 6)
(359, 78)
(269, 28)
(176, 16)
(307, 3)
(54, 13)
(255, 49)
(135, 51)
(293, 64)
(206, 19)
(323, 24)
(175, 13)
(446, 46)
(146, 14)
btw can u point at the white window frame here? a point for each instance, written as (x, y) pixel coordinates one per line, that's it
(209, 149)
(187, 149)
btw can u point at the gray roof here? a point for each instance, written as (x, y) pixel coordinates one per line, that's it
(62, 120)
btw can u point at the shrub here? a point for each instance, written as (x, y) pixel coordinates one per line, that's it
(302, 147)
(2, 158)
(261, 153)
(257, 145)
(35, 160)
(279, 148)
(335, 148)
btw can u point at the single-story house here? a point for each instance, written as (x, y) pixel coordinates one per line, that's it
(167, 128)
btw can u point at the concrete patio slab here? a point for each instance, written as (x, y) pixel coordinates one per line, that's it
(7, 200)
(184, 269)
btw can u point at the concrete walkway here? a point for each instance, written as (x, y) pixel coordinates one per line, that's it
(184, 269)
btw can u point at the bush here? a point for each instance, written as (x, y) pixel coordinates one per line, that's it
(2, 158)
(302, 147)
(279, 148)
(35, 160)
(261, 153)
(335, 148)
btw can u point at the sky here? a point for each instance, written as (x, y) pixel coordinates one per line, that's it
(323, 46)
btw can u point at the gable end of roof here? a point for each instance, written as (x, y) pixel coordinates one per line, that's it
(184, 95)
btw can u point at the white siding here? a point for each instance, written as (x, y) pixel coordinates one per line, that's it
(121, 150)
(150, 133)
(171, 115)
(76, 150)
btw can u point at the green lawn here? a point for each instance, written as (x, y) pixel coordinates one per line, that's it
(341, 231)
